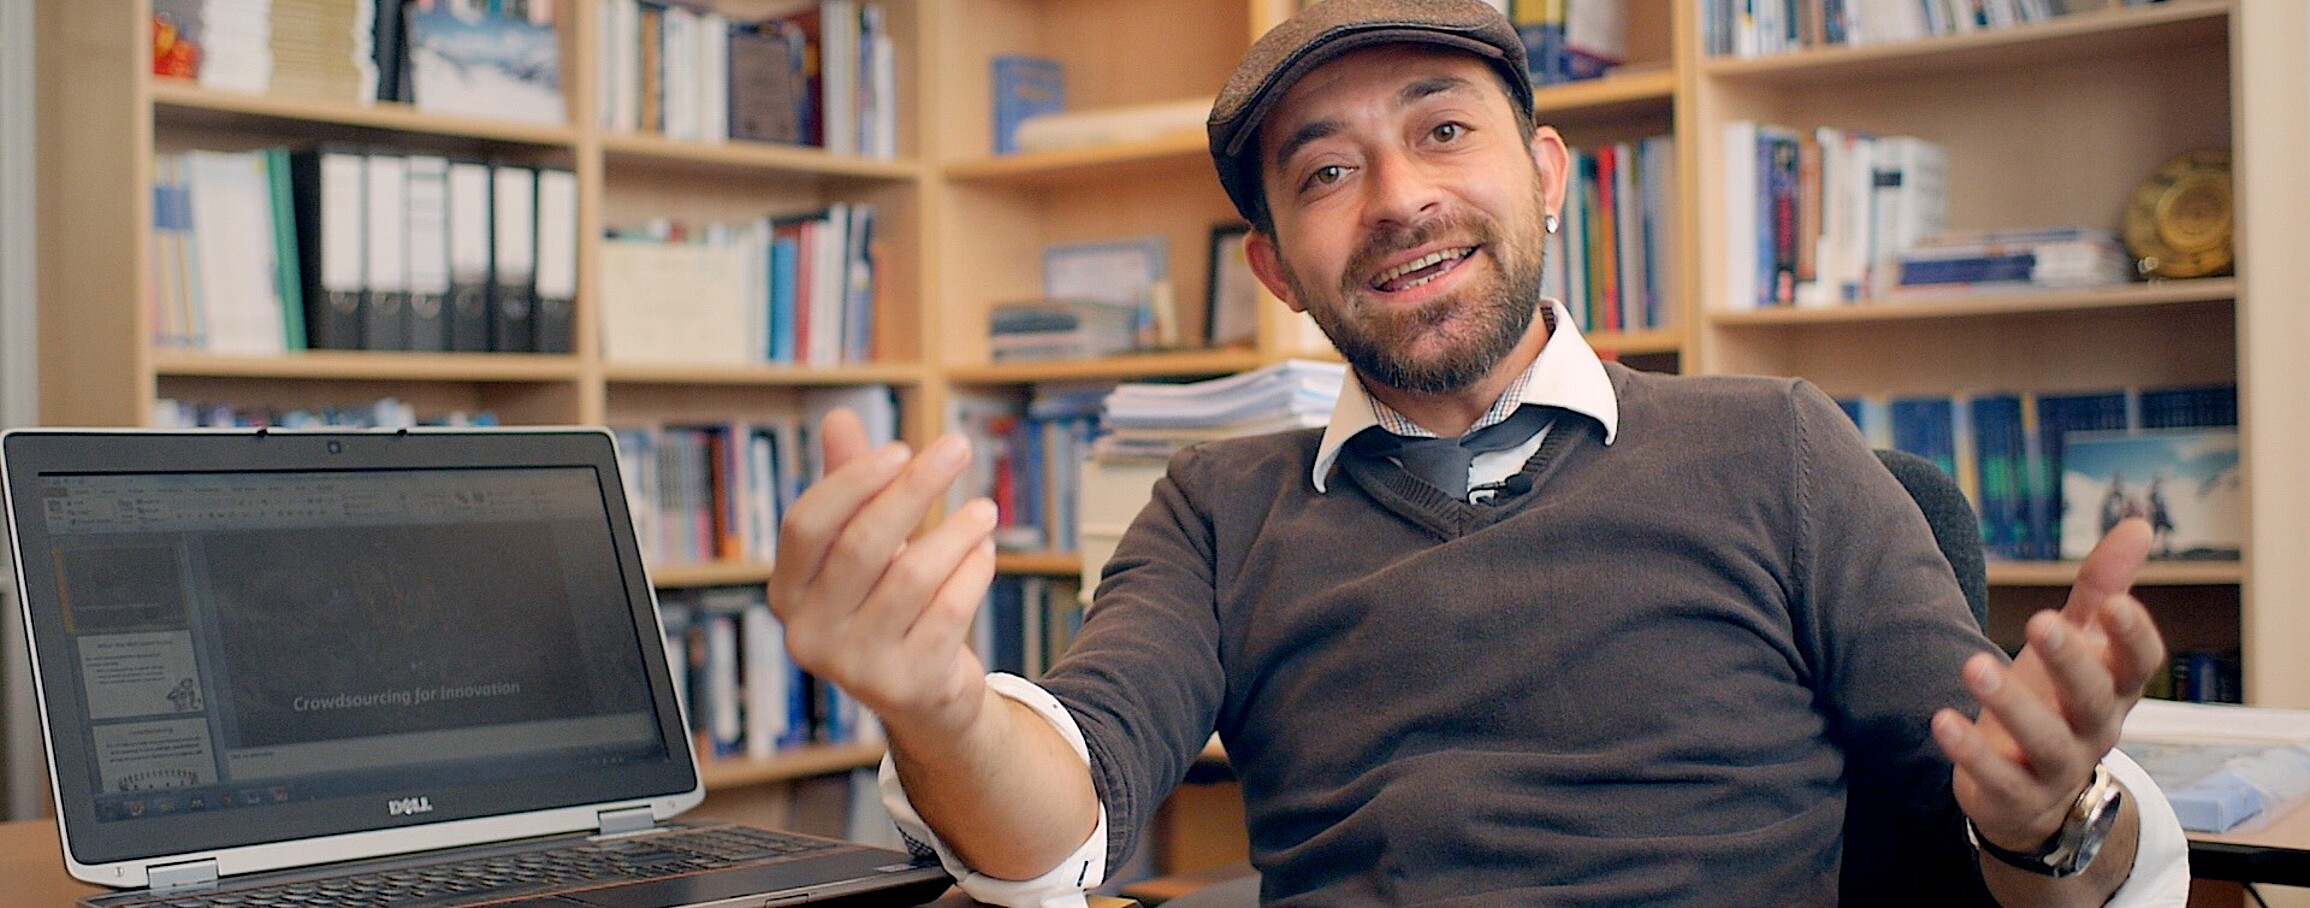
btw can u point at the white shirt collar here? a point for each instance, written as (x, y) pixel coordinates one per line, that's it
(1566, 374)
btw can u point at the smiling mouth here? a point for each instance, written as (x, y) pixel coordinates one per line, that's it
(1421, 270)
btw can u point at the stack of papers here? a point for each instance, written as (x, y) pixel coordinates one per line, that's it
(1151, 420)
(2220, 764)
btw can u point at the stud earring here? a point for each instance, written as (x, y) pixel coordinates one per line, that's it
(1551, 223)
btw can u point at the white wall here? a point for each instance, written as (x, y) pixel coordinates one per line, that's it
(21, 777)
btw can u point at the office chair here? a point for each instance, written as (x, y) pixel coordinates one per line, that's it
(1955, 530)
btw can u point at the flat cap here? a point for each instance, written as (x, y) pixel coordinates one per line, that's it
(1323, 32)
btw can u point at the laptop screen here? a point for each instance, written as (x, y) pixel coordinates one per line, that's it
(256, 649)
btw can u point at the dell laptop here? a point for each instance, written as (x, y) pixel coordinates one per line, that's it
(416, 667)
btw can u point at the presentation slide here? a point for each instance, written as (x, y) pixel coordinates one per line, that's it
(336, 633)
(131, 675)
(152, 756)
(121, 586)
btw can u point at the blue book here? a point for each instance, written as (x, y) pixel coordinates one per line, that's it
(2057, 416)
(785, 265)
(1024, 87)
(1926, 427)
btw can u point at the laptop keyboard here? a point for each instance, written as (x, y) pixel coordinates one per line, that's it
(508, 876)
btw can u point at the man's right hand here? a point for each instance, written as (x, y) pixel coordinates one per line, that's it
(881, 615)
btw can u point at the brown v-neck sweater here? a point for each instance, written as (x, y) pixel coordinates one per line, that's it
(1692, 667)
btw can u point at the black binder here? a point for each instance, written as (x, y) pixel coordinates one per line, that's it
(467, 310)
(557, 238)
(328, 185)
(385, 307)
(513, 242)
(428, 252)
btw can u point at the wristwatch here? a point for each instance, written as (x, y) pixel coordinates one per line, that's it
(2071, 850)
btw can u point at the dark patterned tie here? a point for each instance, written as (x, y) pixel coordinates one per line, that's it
(1443, 462)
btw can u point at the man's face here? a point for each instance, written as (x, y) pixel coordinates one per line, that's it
(1407, 211)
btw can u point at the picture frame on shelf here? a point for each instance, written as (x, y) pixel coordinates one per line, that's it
(2186, 482)
(1231, 305)
(1133, 272)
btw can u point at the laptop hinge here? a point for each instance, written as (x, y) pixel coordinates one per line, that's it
(164, 877)
(631, 819)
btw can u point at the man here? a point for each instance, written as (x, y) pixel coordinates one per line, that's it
(1674, 641)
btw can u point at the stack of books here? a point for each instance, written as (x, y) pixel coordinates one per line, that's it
(2006, 261)
(1044, 330)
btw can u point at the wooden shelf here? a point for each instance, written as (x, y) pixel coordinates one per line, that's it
(1046, 564)
(712, 573)
(2155, 573)
(1637, 343)
(186, 103)
(1186, 150)
(359, 365)
(2108, 32)
(1628, 92)
(1141, 365)
(798, 376)
(657, 150)
(2160, 293)
(799, 763)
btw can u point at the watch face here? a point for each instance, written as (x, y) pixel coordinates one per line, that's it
(2178, 224)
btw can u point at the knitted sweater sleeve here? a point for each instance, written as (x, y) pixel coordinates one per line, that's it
(1888, 628)
(1143, 678)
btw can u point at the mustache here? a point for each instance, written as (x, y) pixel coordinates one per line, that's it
(1388, 242)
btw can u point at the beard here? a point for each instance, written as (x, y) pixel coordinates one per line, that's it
(1468, 333)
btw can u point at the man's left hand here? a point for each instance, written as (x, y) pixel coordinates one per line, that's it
(2050, 717)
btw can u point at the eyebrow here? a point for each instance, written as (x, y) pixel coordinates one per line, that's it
(1411, 94)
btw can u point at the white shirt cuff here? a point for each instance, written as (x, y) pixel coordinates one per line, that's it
(2161, 875)
(1064, 885)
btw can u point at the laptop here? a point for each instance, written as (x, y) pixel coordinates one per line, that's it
(372, 667)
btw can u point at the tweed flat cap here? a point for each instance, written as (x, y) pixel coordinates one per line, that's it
(1320, 34)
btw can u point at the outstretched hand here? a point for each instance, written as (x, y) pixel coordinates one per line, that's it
(882, 615)
(2047, 719)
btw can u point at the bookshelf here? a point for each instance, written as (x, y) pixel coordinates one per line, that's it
(2047, 124)
(2053, 124)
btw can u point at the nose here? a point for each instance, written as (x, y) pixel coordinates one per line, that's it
(1401, 191)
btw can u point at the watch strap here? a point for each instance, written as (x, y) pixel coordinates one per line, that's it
(2071, 849)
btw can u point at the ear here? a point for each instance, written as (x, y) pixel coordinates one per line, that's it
(1553, 161)
(1268, 267)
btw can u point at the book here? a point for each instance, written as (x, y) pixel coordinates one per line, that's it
(1042, 330)
(769, 83)
(492, 64)
(1024, 87)
(1110, 125)
(2075, 257)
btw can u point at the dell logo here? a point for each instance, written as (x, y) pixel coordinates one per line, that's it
(402, 807)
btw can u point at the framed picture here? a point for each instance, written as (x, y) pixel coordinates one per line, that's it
(1131, 272)
(2184, 481)
(1231, 313)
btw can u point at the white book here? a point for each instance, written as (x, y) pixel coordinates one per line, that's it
(713, 34)
(232, 223)
(1741, 183)
(1911, 201)
(882, 80)
(768, 675)
(829, 283)
(678, 58)
(838, 77)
